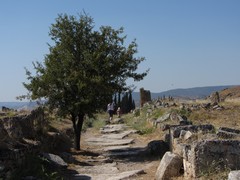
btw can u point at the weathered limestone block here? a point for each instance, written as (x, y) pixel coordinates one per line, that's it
(180, 149)
(234, 175)
(170, 166)
(157, 147)
(185, 134)
(215, 97)
(228, 133)
(211, 154)
(176, 130)
(55, 159)
(163, 118)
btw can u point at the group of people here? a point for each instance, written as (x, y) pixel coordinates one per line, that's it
(111, 109)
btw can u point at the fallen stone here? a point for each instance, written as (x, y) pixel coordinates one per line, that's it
(169, 166)
(163, 118)
(185, 134)
(115, 128)
(54, 159)
(67, 157)
(234, 175)
(157, 147)
(228, 133)
(176, 130)
(230, 130)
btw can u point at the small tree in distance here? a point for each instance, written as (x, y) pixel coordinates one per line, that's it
(83, 70)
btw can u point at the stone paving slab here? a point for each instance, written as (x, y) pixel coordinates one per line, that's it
(108, 176)
(120, 135)
(127, 152)
(114, 128)
(115, 148)
(111, 142)
(110, 137)
(108, 168)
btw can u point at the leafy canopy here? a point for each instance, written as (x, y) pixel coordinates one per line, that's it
(84, 67)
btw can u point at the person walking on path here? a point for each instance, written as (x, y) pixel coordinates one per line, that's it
(110, 110)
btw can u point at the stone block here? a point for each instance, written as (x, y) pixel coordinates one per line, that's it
(213, 154)
(234, 175)
(176, 130)
(228, 133)
(170, 166)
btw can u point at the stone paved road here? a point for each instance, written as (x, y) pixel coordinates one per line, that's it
(116, 156)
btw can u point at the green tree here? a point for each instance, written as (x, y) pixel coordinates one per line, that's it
(125, 103)
(130, 100)
(83, 69)
(133, 104)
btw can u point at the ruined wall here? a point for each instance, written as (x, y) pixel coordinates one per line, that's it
(208, 155)
(203, 151)
(17, 136)
(26, 126)
(215, 97)
(145, 96)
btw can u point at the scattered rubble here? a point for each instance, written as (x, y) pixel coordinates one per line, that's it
(197, 147)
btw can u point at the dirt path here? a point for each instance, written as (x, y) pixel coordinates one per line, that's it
(115, 152)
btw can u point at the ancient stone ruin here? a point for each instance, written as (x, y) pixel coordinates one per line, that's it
(16, 139)
(195, 150)
(215, 97)
(145, 96)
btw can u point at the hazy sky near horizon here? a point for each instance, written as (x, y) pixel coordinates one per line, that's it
(186, 43)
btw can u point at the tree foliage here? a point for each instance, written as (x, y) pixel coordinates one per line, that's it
(83, 69)
(127, 103)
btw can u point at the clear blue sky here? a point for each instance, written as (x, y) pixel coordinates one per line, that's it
(186, 43)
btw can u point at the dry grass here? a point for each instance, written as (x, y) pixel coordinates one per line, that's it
(228, 117)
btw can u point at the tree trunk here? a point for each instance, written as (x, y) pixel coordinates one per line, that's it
(77, 126)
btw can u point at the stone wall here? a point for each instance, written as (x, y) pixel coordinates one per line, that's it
(209, 155)
(202, 151)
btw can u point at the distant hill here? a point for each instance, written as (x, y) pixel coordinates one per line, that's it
(230, 93)
(188, 93)
(18, 105)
